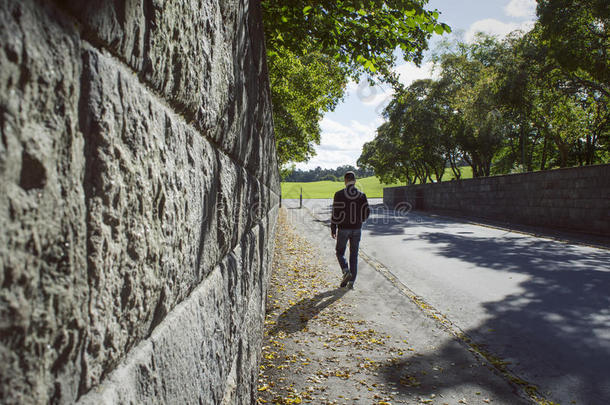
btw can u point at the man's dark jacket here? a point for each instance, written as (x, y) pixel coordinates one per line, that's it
(350, 209)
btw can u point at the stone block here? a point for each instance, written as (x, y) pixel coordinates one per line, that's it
(601, 226)
(200, 57)
(44, 292)
(156, 190)
(116, 203)
(207, 348)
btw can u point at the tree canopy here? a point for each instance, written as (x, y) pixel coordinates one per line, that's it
(315, 47)
(499, 106)
(578, 36)
(302, 89)
(362, 35)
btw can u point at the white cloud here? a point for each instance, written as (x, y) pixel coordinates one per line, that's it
(379, 95)
(346, 137)
(521, 9)
(496, 27)
(351, 87)
(341, 144)
(409, 72)
(367, 94)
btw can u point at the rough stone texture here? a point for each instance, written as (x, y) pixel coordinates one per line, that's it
(197, 56)
(574, 199)
(43, 271)
(137, 200)
(186, 360)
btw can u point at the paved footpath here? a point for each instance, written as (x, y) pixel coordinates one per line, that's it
(375, 344)
(537, 307)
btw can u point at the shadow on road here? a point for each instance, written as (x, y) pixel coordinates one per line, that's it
(389, 222)
(385, 222)
(557, 329)
(296, 317)
(444, 369)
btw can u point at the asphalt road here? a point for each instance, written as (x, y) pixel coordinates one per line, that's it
(539, 304)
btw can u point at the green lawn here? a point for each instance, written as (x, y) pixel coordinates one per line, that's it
(369, 185)
(326, 189)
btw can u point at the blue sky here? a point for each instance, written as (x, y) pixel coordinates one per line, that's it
(355, 120)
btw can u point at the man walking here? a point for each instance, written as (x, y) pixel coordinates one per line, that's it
(350, 210)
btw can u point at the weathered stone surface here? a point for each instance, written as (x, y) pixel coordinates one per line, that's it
(133, 220)
(199, 56)
(43, 274)
(574, 199)
(164, 207)
(203, 351)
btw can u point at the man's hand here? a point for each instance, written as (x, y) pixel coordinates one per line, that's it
(334, 235)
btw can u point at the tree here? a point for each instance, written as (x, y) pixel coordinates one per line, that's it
(409, 146)
(578, 35)
(302, 89)
(348, 38)
(468, 77)
(561, 120)
(318, 174)
(383, 157)
(361, 34)
(500, 106)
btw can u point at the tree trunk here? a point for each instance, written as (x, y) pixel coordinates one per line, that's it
(456, 170)
(439, 174)
(591, 141)
(522, 146)
(543, 159)
(563, 151)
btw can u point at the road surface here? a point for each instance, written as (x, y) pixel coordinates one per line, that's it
(539, 304)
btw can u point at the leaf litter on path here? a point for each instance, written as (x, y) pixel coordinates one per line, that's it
(321, 348)
(314, 350)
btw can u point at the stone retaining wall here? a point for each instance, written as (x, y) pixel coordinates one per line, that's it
(138, 200)
(574, 199)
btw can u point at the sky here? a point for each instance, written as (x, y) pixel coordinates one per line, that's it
(356, 119)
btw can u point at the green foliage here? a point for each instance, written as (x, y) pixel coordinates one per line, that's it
(302, 89)
(558, 119)
(578, 36)
(474, 125)
(313, 48)
(500, 106)
(317, 174)
(435, 124)
(361, 35)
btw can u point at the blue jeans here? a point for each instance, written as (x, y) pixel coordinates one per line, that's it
(353, 235)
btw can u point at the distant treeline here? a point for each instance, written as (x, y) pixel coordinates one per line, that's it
(319, 174)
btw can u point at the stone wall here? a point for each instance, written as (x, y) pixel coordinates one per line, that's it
(574, 199)
(138, 199)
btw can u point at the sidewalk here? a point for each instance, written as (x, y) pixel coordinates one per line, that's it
(371, 345)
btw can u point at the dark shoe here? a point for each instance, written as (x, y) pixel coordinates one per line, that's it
(350, 285)
(346, 277)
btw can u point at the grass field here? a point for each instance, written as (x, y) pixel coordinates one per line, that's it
(369, 185)
(326, 189)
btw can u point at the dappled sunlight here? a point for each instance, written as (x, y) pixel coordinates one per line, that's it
(535, 309)
(564, 296)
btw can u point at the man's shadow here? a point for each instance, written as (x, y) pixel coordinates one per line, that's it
(296, 317)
